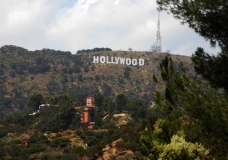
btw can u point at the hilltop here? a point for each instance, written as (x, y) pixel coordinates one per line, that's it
(51, 73)
(123, 123)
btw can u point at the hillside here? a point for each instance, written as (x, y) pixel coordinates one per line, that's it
(53, 73)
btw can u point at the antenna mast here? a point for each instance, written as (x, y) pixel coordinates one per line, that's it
(159, 47)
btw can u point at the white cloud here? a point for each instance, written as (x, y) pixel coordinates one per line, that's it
(115, 24)
(83, 24)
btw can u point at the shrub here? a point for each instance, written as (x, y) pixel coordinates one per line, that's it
(97, 77)
(1, 72)
(126, 74)
(77, 69)
(80, 78)
(12, 73)
(93, 68)
(132, 146)
(86, 69)
(60, 142)
(53, 86)
(178, 147)
(120, 144)
(121, 80)
(38, 138)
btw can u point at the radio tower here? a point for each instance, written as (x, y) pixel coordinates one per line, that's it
(159, 47)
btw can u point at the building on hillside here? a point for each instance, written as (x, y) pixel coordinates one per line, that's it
(43, 105)
(46, 105)
(87, 112)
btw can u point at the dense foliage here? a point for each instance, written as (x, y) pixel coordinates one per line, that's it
(56, 131)
(212, 68)
(208, 18)
(193, 110)
(93, 50)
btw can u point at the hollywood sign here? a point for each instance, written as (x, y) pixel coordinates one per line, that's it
(118, 60)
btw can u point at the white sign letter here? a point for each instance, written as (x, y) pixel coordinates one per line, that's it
(122, 61)
(117, 60)
(107, 59)
(102, 59)
(134, 62)
(95, 59)
(141, 62)
(112, 60)
(128, 61)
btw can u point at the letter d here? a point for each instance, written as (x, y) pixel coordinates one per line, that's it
(141, 62)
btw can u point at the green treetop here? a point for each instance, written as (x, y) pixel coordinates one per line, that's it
(209, 18)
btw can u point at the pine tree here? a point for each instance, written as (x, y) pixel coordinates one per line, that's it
(209, 18)
(193, 110)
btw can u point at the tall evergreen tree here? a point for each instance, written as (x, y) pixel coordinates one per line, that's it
(99, 100)
(212, 68)
(193, 110)
(209, 18)
(35, 100)
(120, 102)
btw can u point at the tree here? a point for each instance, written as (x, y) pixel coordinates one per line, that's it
(208, 18)
(53, 86)
(137, 109)
(212, 68)
(80, 77)
(107, 90)
(35, 100)
(178, 148)
(193, 109)
(120, 102)
(126, 74)
(50, 121)
(76, 69)
(108, 105)
(98, 119)
(86, 69)
(99, 99)
(1, 72)
(12, 73)
(97, 77)
(56, 118)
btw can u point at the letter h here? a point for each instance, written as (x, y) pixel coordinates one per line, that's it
(95, 59)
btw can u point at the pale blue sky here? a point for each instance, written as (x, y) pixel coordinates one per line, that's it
(85, 24)
(67, 4)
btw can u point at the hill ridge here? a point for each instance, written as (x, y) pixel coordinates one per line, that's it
(51, 72)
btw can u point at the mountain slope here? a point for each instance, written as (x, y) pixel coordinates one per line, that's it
(52, 73)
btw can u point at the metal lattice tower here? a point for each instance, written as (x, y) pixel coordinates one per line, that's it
(158, 45)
